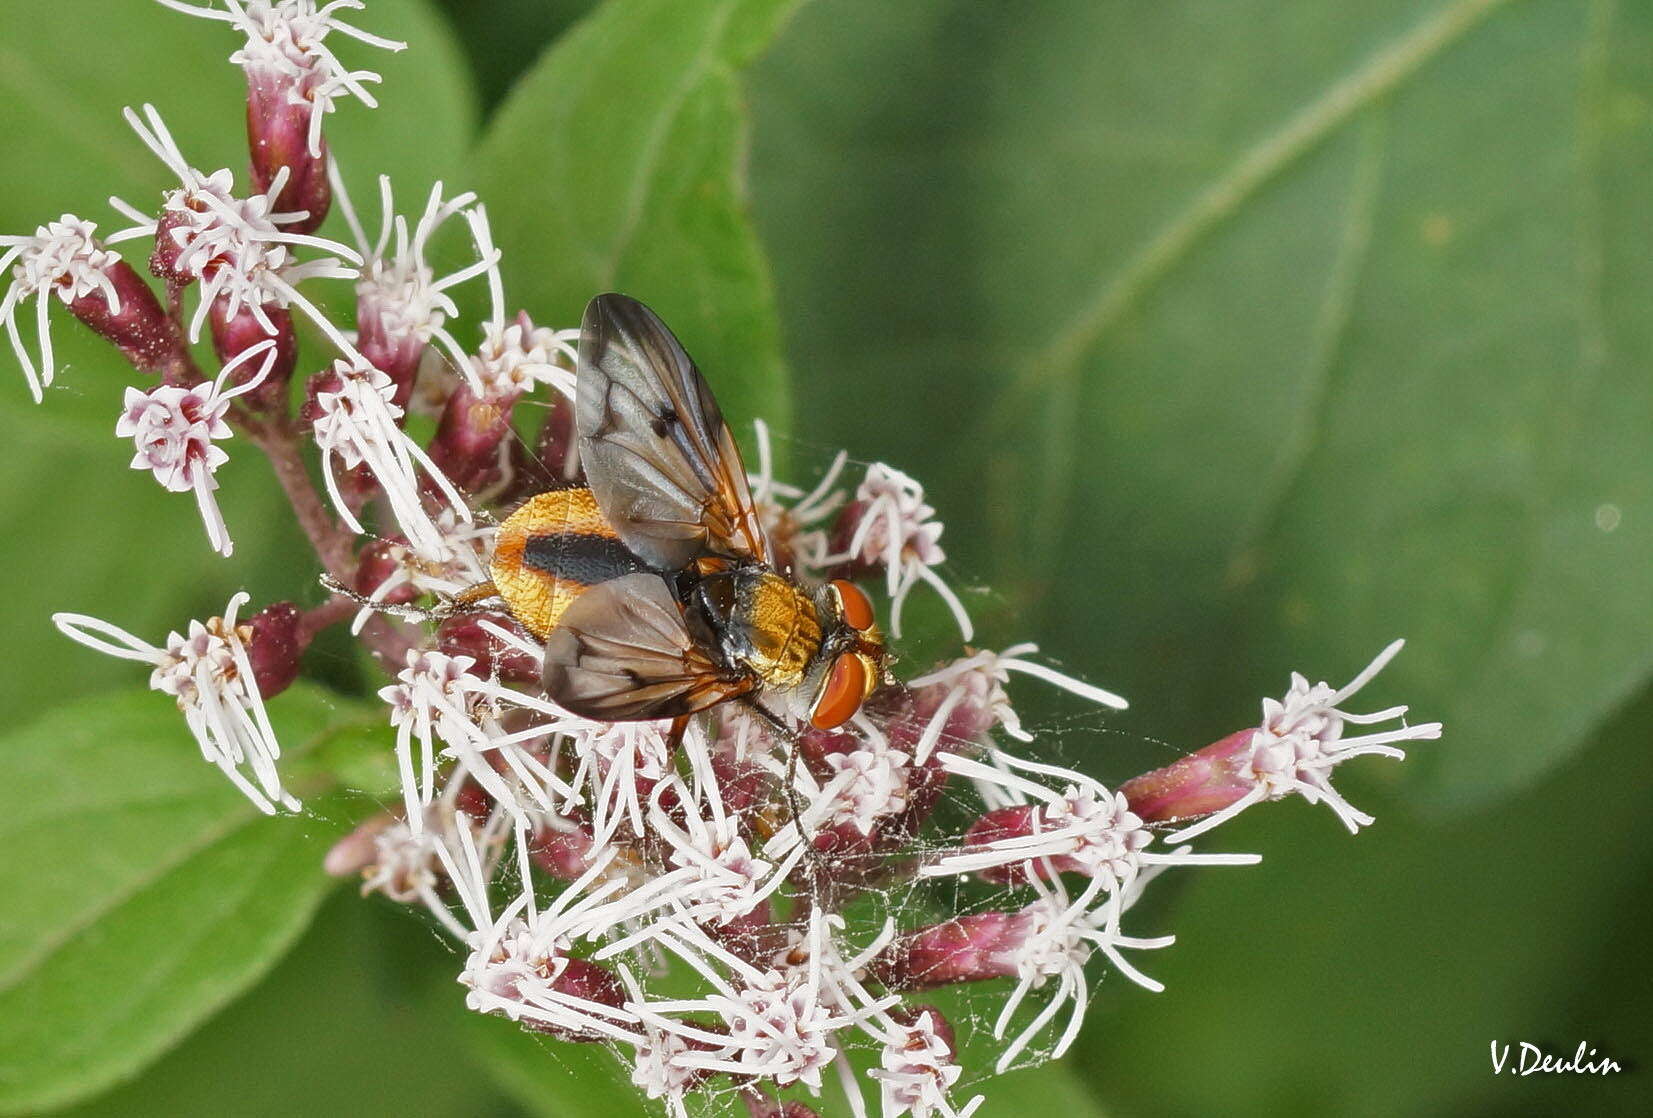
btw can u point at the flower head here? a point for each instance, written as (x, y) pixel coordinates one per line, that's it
(1301, 739)
(208, 672)
(918, 1068)
(175, 431)
(238, 249)
(61, 258)
(401, 303)
(286, 48)
(889, 527)
(357, 422)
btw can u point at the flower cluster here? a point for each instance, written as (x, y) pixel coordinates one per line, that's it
(733, 904)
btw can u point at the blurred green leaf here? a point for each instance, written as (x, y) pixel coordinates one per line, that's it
(553, 1078)
(1254, 335)
(617, 163)
(503, 37)
(142, 892)
(361, 1017)
(89, 534)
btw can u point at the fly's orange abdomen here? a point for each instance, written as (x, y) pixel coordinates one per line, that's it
(550, 550)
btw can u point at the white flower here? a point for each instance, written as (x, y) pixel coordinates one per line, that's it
(780, 1027)
(974, 686)
(664, 1065)
(209, 674)
(867, 784)
(63, 258)
(515, 358)
(795, 529)
(407, 862)
(357, 422)
(175, 430)
(917, 1071)
(286, 43)
(1059, 938)
(895, 529)
(399, 297)
(1084, 828)
(520, 963)
(780, 1022)
(715, 875)
(234, 246)
(1301, 740)
(438, 698)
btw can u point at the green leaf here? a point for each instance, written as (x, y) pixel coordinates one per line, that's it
(142, 892)
(617, 164)
(553, 1078)
(1252, 335)
(90, 534)
(361, 1018)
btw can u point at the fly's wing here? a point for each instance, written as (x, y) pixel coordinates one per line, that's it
(621, 653)
(657, 454)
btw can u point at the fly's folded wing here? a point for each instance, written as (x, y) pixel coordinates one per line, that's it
(659, 457)
(621, 653)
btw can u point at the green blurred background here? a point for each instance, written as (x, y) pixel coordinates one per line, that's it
(1229, 337)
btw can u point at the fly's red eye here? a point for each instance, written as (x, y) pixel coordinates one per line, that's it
(844, 690)
(853, 603)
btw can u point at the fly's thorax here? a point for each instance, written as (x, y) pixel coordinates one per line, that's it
(771, 629)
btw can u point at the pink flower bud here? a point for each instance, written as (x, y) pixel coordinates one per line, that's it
(564, 853)
(358, 850)
(397, 355)
(967, 949)
(464, 636)
(141, 330)
(1004, 823)
(167, 259)
(468, 436)
(233, 334)
(275, 646)
(1198, 784)
(278, 136)
(377, 563)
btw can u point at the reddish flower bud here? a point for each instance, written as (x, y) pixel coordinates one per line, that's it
(464, 636)
(971, 948)
(397, 355)
(165, 261)
(278, 136)
(1008, 823)
(564, 854)
(581, 978)
(274, 647)
(141, 330)
(468, 436)
(379, 561)
(232, 334)
(1198, 784)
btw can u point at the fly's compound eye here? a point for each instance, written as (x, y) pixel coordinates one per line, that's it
(853, 604)
(845, 687)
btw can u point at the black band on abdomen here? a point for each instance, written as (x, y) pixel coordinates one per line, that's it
(580, 557)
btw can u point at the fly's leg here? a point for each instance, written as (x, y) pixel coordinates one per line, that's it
(467, 600)
(818, 874)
